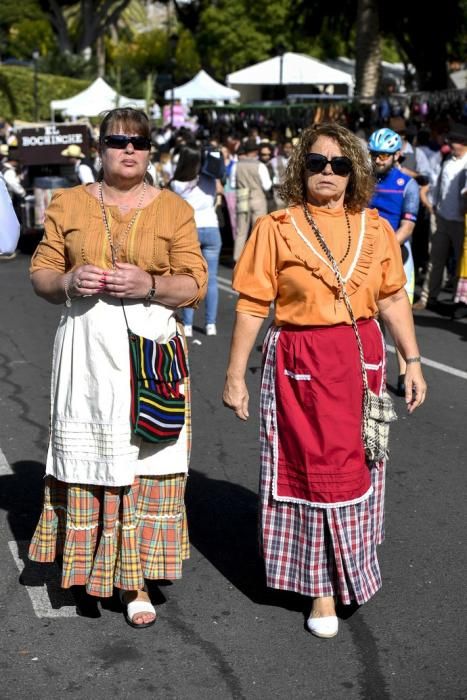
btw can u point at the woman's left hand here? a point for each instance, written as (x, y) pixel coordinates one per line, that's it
(415, 386)
(127, 281)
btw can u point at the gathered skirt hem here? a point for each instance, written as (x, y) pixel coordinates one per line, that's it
(110, 537)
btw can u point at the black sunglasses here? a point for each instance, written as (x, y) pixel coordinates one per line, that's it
(315, 163)
(139, 143)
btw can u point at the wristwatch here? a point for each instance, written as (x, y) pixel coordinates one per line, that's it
(151, 295)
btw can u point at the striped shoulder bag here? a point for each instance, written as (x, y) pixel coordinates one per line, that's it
(156, 372)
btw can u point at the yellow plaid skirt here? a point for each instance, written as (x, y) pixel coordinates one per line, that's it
(114, 536)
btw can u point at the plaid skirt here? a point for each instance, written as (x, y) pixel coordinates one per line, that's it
(310, 550)
(114, 536)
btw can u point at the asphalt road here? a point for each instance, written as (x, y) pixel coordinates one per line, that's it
(221, 633)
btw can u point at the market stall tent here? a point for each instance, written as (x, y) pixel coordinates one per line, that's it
(202, 87)
(296, 71)
(98, 97)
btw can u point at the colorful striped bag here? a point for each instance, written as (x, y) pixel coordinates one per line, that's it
(157, 404)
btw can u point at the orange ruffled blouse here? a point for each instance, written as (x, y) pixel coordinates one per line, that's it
(278, 266)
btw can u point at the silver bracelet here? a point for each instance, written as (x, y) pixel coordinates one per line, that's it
(66, 288)
(411, 360)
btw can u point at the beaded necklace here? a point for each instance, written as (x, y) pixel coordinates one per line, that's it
(114, 248)
(320, 236)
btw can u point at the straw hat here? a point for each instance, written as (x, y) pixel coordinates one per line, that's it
(73, 151)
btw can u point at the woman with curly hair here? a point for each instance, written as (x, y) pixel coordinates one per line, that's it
(321, 497)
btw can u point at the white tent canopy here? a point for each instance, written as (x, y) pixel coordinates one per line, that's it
(290, 69)
(202, 87)
(96, 98)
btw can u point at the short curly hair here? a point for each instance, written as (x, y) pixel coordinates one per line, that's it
(361, 181)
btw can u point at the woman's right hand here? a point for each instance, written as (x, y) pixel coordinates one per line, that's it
(236, 397)
(86, 280)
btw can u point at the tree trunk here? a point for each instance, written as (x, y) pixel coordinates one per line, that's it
(60, 26)
(368, 50)
(100, 54)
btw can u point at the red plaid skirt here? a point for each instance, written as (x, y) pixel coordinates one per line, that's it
(316, 551)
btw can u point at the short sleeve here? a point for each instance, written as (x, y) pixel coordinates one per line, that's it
(50, 253)
(185, 253)
(255, 275)
(392, 269)
(411, 201)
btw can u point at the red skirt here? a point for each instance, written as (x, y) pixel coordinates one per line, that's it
(319, 394)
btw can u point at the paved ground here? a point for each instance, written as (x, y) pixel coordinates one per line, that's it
(221, 633)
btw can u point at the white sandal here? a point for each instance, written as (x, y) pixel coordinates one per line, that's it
(136, 607)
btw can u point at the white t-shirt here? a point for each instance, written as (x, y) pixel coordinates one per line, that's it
(452, 181)
(84, 173)
(201, 195)
(9, 229)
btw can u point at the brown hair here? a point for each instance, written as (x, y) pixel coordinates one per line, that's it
(361, 181)
(131, 120)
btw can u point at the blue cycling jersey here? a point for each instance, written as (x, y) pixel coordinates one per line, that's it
(396, 197)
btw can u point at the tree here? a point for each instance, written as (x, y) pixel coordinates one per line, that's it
(420, 39)
(90, 20)
(368, 50)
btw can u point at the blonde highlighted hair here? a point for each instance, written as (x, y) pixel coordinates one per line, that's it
(361, 180)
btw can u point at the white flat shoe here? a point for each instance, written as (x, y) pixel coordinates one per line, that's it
(188, 331)
(325, 627)
(136, 607)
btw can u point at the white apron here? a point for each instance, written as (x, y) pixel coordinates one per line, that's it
(91, 440)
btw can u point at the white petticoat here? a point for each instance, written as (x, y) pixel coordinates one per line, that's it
(91, 440)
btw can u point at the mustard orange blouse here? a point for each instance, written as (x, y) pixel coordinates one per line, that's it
(278, 266)
(162, 241)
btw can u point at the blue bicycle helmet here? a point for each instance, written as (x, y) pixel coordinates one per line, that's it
(384, 141)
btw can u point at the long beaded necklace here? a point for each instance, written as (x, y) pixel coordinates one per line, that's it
(320, 236)
(114, 248)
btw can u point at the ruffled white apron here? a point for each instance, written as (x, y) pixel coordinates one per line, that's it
(91, 440)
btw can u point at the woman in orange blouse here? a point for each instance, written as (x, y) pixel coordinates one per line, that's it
(321, 501)
(114, 505)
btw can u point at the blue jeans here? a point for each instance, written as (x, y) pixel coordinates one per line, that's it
(211, 243)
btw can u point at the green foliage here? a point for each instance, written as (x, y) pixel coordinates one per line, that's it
(28, 35)
(17, 92)
(144, 53)
(12, 11)
(228, 38)
(187, 60)
(68, 64)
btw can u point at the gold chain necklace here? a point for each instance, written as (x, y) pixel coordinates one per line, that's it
(319, 235)
(114, 248)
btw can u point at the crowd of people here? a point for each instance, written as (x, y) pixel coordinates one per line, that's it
(320, 226)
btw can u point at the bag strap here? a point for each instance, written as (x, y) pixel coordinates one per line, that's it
(342, 292)
(124, 313)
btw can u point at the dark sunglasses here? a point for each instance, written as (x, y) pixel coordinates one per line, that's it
(139, 143)
(381, 156)
(315, 163)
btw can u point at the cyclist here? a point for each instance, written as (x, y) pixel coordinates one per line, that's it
(397, 199)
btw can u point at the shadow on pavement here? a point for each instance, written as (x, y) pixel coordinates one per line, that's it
(459, 328)
(222, 518)
(21, 496)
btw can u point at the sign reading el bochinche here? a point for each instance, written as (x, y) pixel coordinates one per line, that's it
(39, 145)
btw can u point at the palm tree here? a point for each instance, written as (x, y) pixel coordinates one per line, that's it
(368, 50)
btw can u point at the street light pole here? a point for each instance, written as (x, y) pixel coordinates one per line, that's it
(35, 59)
